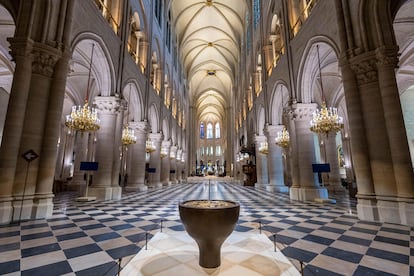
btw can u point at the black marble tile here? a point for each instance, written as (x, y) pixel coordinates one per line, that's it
(299, 254)
(133, 219)
(367, 271)
(37, 250)
(288, 221)
(110, 268)
(394, 230)
(392, 241)
(285, 239)
(332, 229)
(342, 222)
(105, 236)
(82, 219)
(121, 227)
(123, 251)
(136, 237)
(301, 229)
(9, 267)
(92, 226)
(317, 222)
(311, 270)
(354, 240)
(71, 236)
(318, 239)
(107, 219)
(59, 268)
(63, 226)
(9, 234)
(382, 254)
(363, 230)
(37, 236)
(343, 255)
(241, 228)
(33, 226)
(9, 247)
(177, 227)
(81, 250)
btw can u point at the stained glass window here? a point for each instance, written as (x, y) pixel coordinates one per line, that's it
(202, 130)
(209, 131)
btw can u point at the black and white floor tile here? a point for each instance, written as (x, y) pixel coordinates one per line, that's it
(89, 238)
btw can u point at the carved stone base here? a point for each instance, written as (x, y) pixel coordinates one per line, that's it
(273, 188)
(136, 188)
(6, 210)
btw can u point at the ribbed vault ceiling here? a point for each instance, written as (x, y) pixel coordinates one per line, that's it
(209, 34)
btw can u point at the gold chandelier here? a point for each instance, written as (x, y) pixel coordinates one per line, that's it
(264, 148)
(325, 120)
(163, 152)
(149, 146)
(128, 136)
(282, 138)
(84, 118)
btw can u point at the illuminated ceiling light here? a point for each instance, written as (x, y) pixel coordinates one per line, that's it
(84, 118)
(282, 138)
(325, 120)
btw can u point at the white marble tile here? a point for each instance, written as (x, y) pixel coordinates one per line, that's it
(176, 253)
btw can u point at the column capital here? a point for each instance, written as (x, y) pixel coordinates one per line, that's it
(365, 68)
(108, 105)
(166, 144)
(44, 59)
(272, 130)
(260, 138)
(155, 136)
(302, 112)
(387, 56)
(140, 127)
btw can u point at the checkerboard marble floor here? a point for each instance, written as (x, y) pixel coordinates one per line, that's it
(89, 238)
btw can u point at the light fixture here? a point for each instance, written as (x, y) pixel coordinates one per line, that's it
(325, 120)
(163, 152)
(172, 155)
(84, 118)
(264, 148)
(282, 138)
(128, 135)
(149, 146)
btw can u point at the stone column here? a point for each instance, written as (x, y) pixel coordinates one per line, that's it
(275, 159)
(178, 165)
(155, 161)
(173, 164)
(308, 188)
(138, 35)
(387, 61)
(354, 74)
(43, 201)
(335, 185)
(165, 164)
(80, 145)
(143, 55)
(117, 153)
(136, 179)
(40, 133)
(261, 164)
(101, 187)
(13, 125)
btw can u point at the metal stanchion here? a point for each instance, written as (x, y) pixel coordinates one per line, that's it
(146, 240)
(119, 266)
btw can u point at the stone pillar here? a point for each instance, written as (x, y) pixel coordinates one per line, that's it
(13, 125)
(173, 164)
(43, 201)
(101, 187)
(178, 165)
(261, 164)
(354, 74)
(81, 148)
(136, 179)
(40, 133)
(155, 161)
(117, 153)
(308, 188)
(143, 55)
(387, 61)
(165, 164)
(334, 178)
(275, 159)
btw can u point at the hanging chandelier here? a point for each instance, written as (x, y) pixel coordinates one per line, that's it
(282, 138)
(325, 120)
(264, 148)
(84, 118)
(149, 146)
(163, 152)
(128, 136)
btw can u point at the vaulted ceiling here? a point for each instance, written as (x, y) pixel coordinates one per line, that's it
(209, 37)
